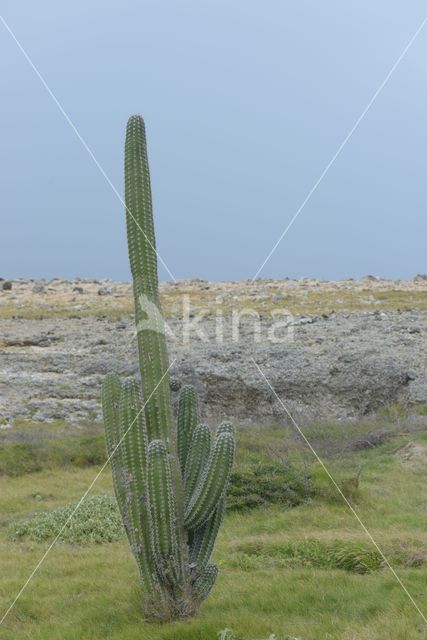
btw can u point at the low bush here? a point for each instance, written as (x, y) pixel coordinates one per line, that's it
(265, 483)
(96, 520)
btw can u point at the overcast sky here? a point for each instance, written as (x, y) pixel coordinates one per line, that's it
(245, 102)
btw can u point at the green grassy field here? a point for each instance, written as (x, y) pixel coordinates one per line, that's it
(305, 572)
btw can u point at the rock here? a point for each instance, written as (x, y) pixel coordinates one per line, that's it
(35, 341)
(7, 285)
(100, 342)
(421, 277)
(414, 329)
(337, 366)
(305, 320)
(106, 291)
(370, 278)
(38, 288)
(78, 289)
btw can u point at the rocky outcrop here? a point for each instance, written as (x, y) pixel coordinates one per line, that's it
(336, 365)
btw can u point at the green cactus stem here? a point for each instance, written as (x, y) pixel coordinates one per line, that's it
(153, 357)
(170, 481)
(204, 582)
(186, 422)
(213, 483)
(203, 539)
(197, 459)
(163, 515)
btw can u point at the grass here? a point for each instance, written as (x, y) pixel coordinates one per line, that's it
(30, 447)
(305, 572)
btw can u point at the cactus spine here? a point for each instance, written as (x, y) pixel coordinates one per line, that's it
(170, 482)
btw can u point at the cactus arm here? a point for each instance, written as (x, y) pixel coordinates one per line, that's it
(188, 417)
(115, 432)
(133, 427)
(225, 427)
(197, 458)
(204, 538)
(110, 410)
(163, 513)
(213, 483)
(133, 460)
(111, 388)
(205, 581)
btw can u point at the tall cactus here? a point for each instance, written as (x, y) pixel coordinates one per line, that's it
(170, 480)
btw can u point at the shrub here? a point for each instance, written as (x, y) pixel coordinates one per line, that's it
(268, 483)
(97, 520)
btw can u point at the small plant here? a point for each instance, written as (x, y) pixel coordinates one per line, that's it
(97, 520)
(357, 558)
(266, 483)
(170, 479)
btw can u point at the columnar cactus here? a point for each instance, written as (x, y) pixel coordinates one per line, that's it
(170, 481)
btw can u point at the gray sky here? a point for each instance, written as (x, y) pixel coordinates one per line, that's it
(245, 103)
